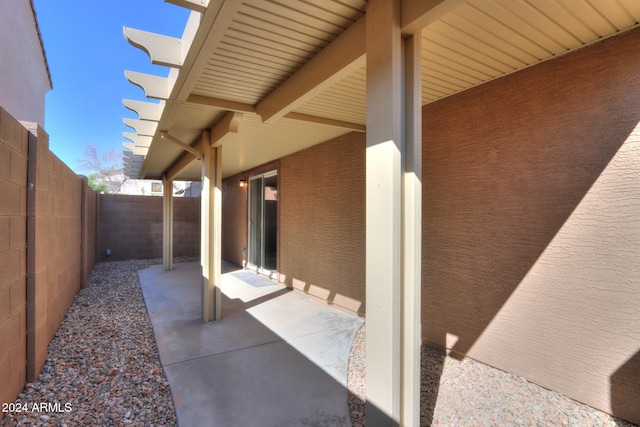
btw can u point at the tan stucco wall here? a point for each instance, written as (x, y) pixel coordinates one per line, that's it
(531, 225)
(322, 221)
(24, 80)
(234, 219)
(531, 242)
(235, 211)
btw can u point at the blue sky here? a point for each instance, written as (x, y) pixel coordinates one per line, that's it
(87, 56)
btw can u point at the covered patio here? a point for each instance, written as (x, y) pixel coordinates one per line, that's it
(277, 358)
(253, 84)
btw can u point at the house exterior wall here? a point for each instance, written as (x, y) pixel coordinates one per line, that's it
(235, 212)
(531, 227)
(234, 219)
(24, 78)
(131, 226)
(531, 223)
(321, 220)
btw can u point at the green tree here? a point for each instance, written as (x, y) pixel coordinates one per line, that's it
(96, 185)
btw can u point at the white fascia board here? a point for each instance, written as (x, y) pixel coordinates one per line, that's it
(190, 31)
(197, 5)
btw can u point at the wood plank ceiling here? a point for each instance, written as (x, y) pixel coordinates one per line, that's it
(265, 42)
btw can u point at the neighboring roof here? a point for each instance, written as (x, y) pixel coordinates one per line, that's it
(44, 53)
(272, 79)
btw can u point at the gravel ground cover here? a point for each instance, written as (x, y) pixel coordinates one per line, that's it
(469, 393)
(103, 370)
(103, 367)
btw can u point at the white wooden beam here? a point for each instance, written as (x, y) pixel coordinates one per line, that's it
(197, 5)
(228, 124)
(181, 164)
(144, 109)
(138, 140)
(133, 159)
(326, 121)
(221, 103)
(133, 148)
(153, 86)
(341, 57)
(142, 127)
(418, 14)
(204, 31)
(212, 26)
(195, 152)
(162, 50)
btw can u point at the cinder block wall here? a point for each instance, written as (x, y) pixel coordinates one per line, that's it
(40, 249)
(54, 209)
(131, 226)
(531, 227)
(89, 229)
(13, 252)
(186, 226)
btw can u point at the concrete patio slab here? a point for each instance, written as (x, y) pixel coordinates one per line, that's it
(278, 357)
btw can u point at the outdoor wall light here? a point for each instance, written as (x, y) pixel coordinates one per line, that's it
(243, 183)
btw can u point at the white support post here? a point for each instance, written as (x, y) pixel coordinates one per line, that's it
(211, 221)
(384, 212)
(393, 219)
(217, 233)
(412, 233)
(167, 224)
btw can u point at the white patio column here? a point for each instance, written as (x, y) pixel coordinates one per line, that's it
(167, 224)
(210, 229)
(384, 213)
(412, 234)
(393, 219)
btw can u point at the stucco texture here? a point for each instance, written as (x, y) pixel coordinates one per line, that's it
(321, 213)
(531, 227)
(25, 76)
(322, 221)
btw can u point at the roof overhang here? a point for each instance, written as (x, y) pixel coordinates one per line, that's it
(270, 80)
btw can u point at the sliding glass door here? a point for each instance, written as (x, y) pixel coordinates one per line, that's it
(263, 223)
